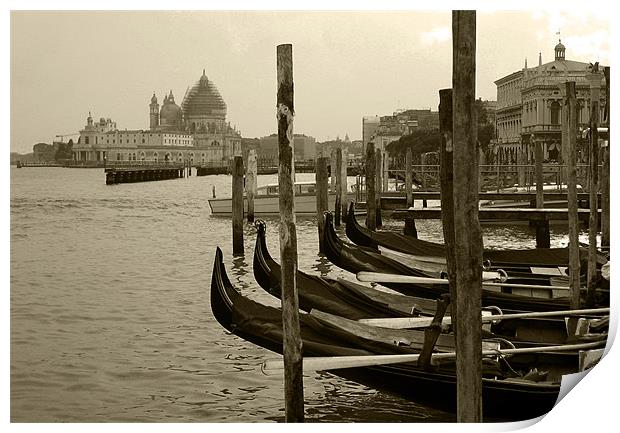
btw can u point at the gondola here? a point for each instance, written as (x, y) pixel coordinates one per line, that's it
(512, 258)
(355, 259)
(343, 298)
(355, 301)
(507, 391)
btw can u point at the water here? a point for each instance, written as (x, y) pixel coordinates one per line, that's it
(110, 314)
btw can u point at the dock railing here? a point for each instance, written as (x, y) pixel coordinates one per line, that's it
(492, 177)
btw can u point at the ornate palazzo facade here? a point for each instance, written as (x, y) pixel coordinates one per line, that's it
(529, 108)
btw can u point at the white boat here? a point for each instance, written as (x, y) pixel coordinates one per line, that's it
(266, 201)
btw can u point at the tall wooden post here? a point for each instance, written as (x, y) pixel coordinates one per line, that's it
(338, 205)
(237, 205)
(446, 177)
(293, 367)
(538, 155)
(410, 229)
(371, 202)
(467, 234)
(543, 239)
(344, 204)
(321, 197)
(385, 177)
(332, 170)
(569, 129)
(251, 183)
(379, 184)
(605, 205)
(595, 88)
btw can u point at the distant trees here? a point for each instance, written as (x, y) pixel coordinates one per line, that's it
(428, 140)
(64, 150)
(420, 141)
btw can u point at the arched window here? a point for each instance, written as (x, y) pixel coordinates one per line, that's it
(555, 113)
(143, 156)
(155, 156)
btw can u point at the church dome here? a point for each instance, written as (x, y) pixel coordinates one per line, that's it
(170, 114)
(203, 100)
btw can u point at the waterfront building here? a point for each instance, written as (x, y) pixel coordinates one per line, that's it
(529, 107)
(369, 126)
(402, 122)
(304, 147)
(196, 132)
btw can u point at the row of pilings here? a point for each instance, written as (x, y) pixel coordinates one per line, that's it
(114, 176)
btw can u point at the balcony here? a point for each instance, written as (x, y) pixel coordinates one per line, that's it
(541, 128)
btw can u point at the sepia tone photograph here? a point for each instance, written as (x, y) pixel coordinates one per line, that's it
(350, 213)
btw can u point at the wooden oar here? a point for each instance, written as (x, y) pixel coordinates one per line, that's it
(430, 266)
(422, 322)
(276, 366)
(378, 277)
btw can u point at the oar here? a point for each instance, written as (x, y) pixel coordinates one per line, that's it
(378, 277)
(422, 263)
(276, 366)
(423, 322)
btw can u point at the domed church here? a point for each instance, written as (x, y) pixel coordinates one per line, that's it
(196, 131)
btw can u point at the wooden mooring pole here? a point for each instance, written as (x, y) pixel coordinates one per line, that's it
(321, 197)
(293, 367)
(605, 205)
(378, 185)
(237, 205)
(569, 130)
(338, 204)
(344, 203)
(251, 183)
(595, 88)
(332, 170)
(410, 229)
(446, 177)
(543, 239)
(467, 234)
(371, 202)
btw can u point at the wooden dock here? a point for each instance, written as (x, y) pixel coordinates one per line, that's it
(398, 200)
(500, 214)
(143, 171)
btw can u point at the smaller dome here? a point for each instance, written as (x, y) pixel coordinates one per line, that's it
(560, 45)
(154, 99)
(170, 114)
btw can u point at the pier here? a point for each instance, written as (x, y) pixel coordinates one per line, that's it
(393, 200)
(143, 171)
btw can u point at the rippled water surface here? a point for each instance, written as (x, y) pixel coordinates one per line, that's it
(110, 314)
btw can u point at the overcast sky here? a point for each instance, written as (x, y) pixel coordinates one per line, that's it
(346, 64)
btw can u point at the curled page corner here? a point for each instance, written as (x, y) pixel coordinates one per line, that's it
(569, 381)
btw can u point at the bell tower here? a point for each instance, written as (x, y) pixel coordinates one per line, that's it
(154, 113)
(560, 51)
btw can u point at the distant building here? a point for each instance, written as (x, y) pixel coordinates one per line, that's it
(529, 107)
(196, 131)
(304, 147)
(43, 152)
(402, 122)
(369, 126)
(491, 108)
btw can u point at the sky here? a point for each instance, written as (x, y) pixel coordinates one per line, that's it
(349, 64)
